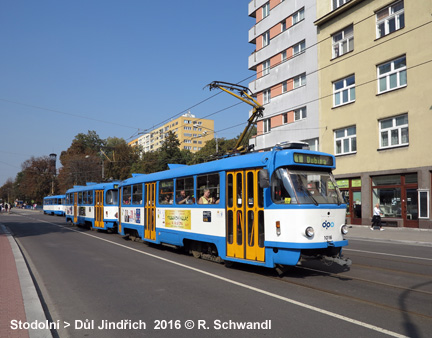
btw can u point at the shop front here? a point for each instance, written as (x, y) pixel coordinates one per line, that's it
(351, 191)
(398, 198)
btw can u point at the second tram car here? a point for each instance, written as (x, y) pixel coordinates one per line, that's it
(94, 205)
(265, 209)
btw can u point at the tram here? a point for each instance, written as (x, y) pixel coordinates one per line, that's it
(54, 205)
(94, 205)
(265, 208)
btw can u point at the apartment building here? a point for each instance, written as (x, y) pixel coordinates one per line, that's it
(192, 132)
(285, 62)
(375, 64)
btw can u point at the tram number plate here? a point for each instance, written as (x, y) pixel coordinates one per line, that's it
(328, 238)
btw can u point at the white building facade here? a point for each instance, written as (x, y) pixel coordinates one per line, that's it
(285, 61)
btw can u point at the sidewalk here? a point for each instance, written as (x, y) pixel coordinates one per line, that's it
(19, 301)
(411, 236)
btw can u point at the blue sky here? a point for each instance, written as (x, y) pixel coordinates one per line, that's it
(116, 67)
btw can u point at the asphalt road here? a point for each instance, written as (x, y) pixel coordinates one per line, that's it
(87, 279)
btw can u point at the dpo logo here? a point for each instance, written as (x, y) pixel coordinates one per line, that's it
(327, 225)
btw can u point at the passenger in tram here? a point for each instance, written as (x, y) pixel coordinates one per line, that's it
(182, 198)
(206, 199)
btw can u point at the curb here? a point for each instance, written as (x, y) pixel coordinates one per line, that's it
(32, 305)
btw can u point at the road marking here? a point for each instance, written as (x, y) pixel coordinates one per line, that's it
(387, 254)
(267, 293)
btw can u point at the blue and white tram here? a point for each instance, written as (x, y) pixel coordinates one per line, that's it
(265, 209)
(54, 205)
(94, 205)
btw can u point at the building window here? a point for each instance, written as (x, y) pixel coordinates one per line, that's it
(266, 38)
(266, 10)
(313, 144)
(284, 87)
(300, 114)
(394, 131)
(343, 41)
(299, 48)
(284, 118)
(346, 141)
(266, 67)
(344, 91)
(283, 26)
(298, 16)
(300, 80)
(267, 96)
(390, 19)
(338, 3)
(423, 198)
(267, 125)
(392, 75)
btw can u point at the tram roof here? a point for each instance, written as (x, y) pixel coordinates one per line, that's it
(93, 186)
(240, 162)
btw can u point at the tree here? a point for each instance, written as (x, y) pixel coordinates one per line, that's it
(170, 152)
(81, 162)
(36, 180)
(118, 158)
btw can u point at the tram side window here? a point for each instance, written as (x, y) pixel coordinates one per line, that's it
(80, 197)
(69, 199)
(185, 191)
(137, 194)
(166, 189)
(111, 197)
(208, 189)
(90, 197)
(127, 196)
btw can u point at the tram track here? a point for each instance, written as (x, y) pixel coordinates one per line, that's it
(358, 299)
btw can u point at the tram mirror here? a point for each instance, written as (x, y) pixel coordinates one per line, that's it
(263, 178)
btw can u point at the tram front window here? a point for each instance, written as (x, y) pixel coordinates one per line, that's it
(304, 187)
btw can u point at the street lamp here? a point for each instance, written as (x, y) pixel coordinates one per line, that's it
(217, 146)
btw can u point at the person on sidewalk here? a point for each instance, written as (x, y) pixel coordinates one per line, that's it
(376, 219)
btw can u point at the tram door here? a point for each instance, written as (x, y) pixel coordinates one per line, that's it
(150, 211)
(120, 211)
(245, 216)
(75, 208)
(99, 209)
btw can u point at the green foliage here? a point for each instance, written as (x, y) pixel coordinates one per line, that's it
(90, 158)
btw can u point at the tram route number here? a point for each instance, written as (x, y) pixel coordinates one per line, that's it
(328, 238)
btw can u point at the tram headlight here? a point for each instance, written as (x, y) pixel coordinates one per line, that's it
(344, 229)
(310, 232)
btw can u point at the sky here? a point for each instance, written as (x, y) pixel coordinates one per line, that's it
(118, 67)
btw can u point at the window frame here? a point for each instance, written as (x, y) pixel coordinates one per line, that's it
(299, 81)
(301, 112)
(347, 37)
(298, 16)
(383, 25)
(400, 72)
(345, 88)
(266, 126)
(338, 3)
(394, 127)
(347, 140)
(266, 96)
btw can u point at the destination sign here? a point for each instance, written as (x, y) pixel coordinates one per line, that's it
(313, 159)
